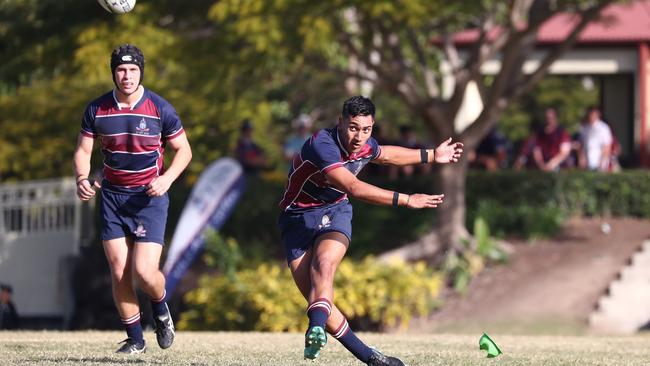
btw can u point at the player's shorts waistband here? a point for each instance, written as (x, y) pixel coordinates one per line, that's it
(108, 186)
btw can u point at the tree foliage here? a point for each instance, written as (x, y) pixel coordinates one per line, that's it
(222, 61)
(54, 65)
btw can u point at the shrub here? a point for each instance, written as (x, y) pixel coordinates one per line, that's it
(265, 298)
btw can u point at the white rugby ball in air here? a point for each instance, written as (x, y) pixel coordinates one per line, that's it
(117, 6)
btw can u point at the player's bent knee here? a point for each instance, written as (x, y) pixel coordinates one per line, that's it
(145, 274)
(119, 275)
(324, 268)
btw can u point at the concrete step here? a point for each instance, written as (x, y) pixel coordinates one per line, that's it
(635, 320)
(645, 246)
(626, 306)
(635, 273)
(603, 323)
(641, 258)
(637, 287)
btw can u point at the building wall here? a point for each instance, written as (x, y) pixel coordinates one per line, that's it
(38, 267)
(41, 226)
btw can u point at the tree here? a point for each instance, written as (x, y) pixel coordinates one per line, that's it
(268, 60)
(56, 58)
(406, 49)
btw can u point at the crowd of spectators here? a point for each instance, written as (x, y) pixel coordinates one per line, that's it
(593, 147)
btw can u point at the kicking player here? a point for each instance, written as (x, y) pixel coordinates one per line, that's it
(133, 125)
(316, 218)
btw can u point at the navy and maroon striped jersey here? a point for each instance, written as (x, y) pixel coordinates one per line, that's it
(307, 185)
(132, 140)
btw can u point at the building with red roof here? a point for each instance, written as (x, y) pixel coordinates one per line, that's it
(615, 52)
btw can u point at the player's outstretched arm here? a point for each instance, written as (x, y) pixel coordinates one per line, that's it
(446, 152)
(347, 182)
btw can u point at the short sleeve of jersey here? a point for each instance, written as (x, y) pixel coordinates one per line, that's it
(323, 151)
(88, 121)
(171, 123)
(376, 149)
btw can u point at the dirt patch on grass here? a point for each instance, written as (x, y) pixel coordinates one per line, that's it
(546, 282)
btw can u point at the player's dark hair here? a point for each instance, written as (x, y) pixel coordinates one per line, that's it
(127, 54)
(358, 106)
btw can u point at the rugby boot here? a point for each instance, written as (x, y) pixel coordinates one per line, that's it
(315, 340)
(164, 329)
(379, 359)
(131, 347)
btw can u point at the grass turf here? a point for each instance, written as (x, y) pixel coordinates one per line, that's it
(230, 348)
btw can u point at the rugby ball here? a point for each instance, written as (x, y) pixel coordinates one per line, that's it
(117, 6)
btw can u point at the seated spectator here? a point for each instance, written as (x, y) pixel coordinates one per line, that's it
(302, 130)
(552, 144)
(491, 153)
(596, 139)
(249, 154)
(524, 159)
(8, 314)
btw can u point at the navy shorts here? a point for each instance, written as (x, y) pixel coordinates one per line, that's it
(299, 229)
(137, 215)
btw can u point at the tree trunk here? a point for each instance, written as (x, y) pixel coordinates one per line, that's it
(450, 219)
(449, 228)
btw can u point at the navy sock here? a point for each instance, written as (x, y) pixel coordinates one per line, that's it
(159, 306)
(349, 340)
(133, 328)
(318, 312)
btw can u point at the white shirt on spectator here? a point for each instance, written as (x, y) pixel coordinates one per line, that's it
(595, 136)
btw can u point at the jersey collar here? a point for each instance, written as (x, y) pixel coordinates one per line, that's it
(135, 105)
(338, 140)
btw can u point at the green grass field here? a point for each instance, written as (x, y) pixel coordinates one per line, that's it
(212, 348)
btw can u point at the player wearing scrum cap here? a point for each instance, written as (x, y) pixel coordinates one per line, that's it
(133, 126)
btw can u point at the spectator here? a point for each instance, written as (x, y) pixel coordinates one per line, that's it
(249, 154)
(596, 140)
(552, 144)
(524, 158)
(491, 153)
(576, 147)
(293, 143)
(614, 164)
(8, 314)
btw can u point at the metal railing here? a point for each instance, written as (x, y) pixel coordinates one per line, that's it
(39, 207)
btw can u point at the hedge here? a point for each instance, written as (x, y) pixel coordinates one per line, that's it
(526, 204)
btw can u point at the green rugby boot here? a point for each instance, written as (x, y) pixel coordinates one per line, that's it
(315, 340)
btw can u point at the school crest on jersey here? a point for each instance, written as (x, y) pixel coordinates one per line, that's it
(142, 127)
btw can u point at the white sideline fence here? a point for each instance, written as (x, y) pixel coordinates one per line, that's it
(43, 225)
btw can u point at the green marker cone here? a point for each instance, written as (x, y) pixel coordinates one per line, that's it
(488, 344)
